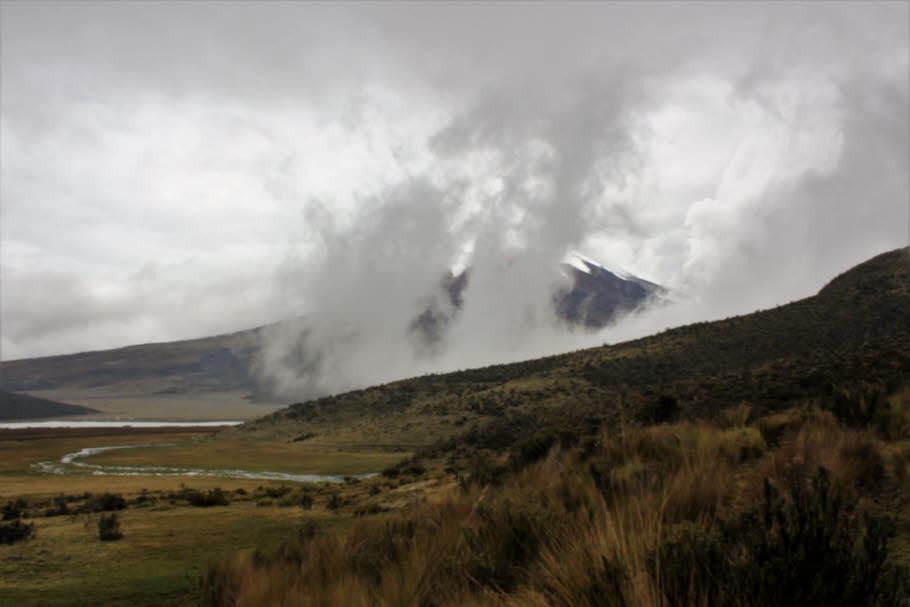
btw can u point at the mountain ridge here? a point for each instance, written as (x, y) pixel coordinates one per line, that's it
(227, 362)
(856, 326)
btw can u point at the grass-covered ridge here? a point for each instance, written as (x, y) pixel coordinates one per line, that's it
(757, 460)
(856, 330)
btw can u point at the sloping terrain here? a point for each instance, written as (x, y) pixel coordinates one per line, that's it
(758, 460)
(218, 363)
(852, 335)
(226, 363)
(22, 406)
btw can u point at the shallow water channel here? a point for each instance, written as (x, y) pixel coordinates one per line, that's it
(109, 424)
(71, 464)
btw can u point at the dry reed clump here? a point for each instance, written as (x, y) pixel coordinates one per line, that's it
(817, 439)
(680, 514)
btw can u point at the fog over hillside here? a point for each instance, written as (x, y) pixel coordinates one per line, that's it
(175, 170)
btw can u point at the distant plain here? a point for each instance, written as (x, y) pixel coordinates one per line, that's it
(167, 541)
(191, 406)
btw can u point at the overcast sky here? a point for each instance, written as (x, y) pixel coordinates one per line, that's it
(178, 169)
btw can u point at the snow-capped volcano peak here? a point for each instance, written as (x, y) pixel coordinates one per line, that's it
(581, 263)
(598, 295)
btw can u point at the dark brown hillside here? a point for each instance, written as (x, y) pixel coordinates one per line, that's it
(859, 322)
(22, 406)
(214, 363)
(854, 334)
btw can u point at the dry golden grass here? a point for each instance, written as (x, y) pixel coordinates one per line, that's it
(570, 530)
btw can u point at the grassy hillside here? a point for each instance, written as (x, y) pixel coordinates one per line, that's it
(854, 335)
(22, 406)
(759, 460)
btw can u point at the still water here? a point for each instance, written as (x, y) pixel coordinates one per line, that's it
(107, 424)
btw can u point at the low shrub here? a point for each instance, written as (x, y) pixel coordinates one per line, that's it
(484, 472)
(501, 540)
(109, 528)
(664, 409)
(273, 492)
(409, 467)
(16, 531)
(105, 502)
(60, 507)
(805, 545)
(369, 509)
(14, 510)
(145, 498)
(530, 450)
(205, 499)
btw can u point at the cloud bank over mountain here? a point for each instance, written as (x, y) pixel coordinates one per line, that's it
(174, 170)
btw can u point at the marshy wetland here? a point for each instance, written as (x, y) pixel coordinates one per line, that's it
(173, 524)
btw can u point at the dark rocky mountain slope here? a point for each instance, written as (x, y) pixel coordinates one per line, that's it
(22, 406)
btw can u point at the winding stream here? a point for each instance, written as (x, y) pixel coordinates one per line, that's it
(71, 464)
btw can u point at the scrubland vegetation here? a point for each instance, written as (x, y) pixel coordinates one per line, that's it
(795, 508)
(759, 460)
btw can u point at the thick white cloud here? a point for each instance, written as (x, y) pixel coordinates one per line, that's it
(171, 170)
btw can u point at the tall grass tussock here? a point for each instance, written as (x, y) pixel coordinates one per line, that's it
(786, 509)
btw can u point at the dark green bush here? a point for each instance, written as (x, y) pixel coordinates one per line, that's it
(105, 503)
(482, 472)
(205, 499)
(59, 508)
(664, 409)
(273, 492)
(14, 509)
(530, 450)
(109, 527)
(16, 531)
(368, 509)
(404, 467)
(691, 565)
(807, 545)
(145, 499)
(502, 540)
